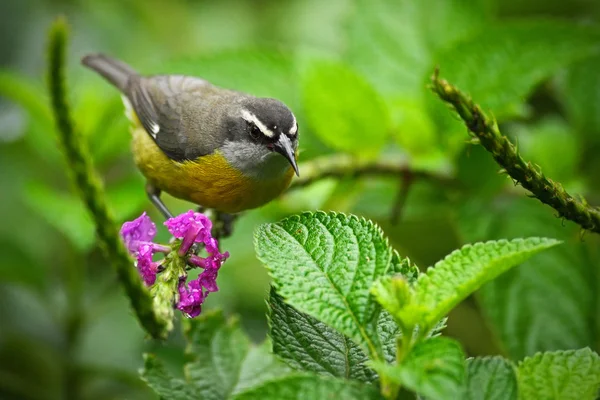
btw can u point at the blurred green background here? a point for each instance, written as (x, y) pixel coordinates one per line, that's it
(355, 73)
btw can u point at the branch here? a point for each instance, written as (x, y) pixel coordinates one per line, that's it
(341, 166)
(90, 187)
(506, 155)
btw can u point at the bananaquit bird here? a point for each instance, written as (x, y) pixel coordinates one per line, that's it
(215, 147)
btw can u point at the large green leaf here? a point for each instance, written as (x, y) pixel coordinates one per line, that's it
(491, 378)
(560, 375)
(323, 264)
(343, 109)
(549, 302)
(308, 386)
(434, 368)
(500, 66)
(222, 362)
(306, 344)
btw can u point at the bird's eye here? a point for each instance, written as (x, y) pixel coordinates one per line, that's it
(255, 133)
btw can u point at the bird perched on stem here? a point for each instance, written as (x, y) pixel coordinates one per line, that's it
(215, 147)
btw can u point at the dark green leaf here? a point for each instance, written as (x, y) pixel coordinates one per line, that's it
(549, 302)
(306, 344)
(582, 97)
(491, 378)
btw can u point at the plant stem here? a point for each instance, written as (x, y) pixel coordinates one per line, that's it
(340, 166)
(90, 187)
(506, 155)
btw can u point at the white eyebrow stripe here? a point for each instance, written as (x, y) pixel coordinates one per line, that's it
(294, 128)
(249, 117)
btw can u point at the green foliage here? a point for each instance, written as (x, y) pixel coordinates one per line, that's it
(500, 68)
(306, 343)
(224, 365)
(434, 368)
(582, 98)
(451, 280)
(491, 378)
(304, 386)
(548, 302)
(360, 121)
(571, 374)
(324, 264)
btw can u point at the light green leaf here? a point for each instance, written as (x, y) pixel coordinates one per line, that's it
(323, 264)
(306, 344)
(307, 386)
(464, 271)
(502, 65)
(560, 375)
(549, 302)
(582, 97)
(344, 110)
(434, 368)
(166, 386)
(491, 378)
(393, 42)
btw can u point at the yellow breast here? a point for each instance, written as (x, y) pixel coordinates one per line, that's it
(208, 181)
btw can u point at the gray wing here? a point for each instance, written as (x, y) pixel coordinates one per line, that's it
(170, 108)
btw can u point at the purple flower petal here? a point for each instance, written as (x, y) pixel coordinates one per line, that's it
(141, 229)
(190, 298)
(208, 279)
(145, 265)
(179, 225)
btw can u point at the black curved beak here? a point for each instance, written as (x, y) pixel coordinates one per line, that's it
(284, 147)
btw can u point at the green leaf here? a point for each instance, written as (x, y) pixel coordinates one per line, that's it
(462, 272)
(323, 264)
(222, 362)
(582, 97)
(501, 66)
(307, 386)
(344, 110)
(491, 378)
(306, 344)
(549, 302)
(166, 386)
(434, 368)
(560, 375)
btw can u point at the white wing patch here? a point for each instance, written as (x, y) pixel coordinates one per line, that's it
(130, 114)
(294, 128)
(251, 118)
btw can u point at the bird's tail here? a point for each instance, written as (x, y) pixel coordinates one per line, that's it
(116, 72)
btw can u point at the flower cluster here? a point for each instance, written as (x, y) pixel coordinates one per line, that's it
(191, 228)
